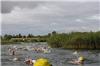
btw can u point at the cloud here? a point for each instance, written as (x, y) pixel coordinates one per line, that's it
(8, 6)
(45, 17)
(53, 24)
(25, 15)
(78, 20)
(95, 17)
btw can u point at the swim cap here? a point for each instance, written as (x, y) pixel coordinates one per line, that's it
(42, 62)
(81, 58)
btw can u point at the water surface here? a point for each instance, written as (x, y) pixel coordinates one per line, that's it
(57, 57)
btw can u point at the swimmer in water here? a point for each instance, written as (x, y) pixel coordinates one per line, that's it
(28, 60)
(42, 62)
(79, 61)
(12, 51)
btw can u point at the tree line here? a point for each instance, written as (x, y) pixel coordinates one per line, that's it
(24, 38)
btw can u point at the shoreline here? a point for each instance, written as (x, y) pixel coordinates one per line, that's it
(19, 43)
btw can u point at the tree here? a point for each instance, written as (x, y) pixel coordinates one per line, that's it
(54, 33)
(29, 36)
(49, 34)
(19, 35)
(7, 37)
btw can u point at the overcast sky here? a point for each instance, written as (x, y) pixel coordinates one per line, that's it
(42, 17)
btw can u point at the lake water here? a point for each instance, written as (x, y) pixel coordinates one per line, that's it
(57, 57)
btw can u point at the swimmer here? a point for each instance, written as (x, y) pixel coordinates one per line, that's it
(28, 60)
(75, 53)
(12, 51)
(42, 62)
(79, 61)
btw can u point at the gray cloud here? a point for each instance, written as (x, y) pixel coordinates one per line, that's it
(8, 6)
(43, 17)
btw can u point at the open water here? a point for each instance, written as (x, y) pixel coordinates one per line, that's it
(57, 57)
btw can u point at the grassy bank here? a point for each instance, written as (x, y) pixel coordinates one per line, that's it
(20, 40)
(75, 40)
